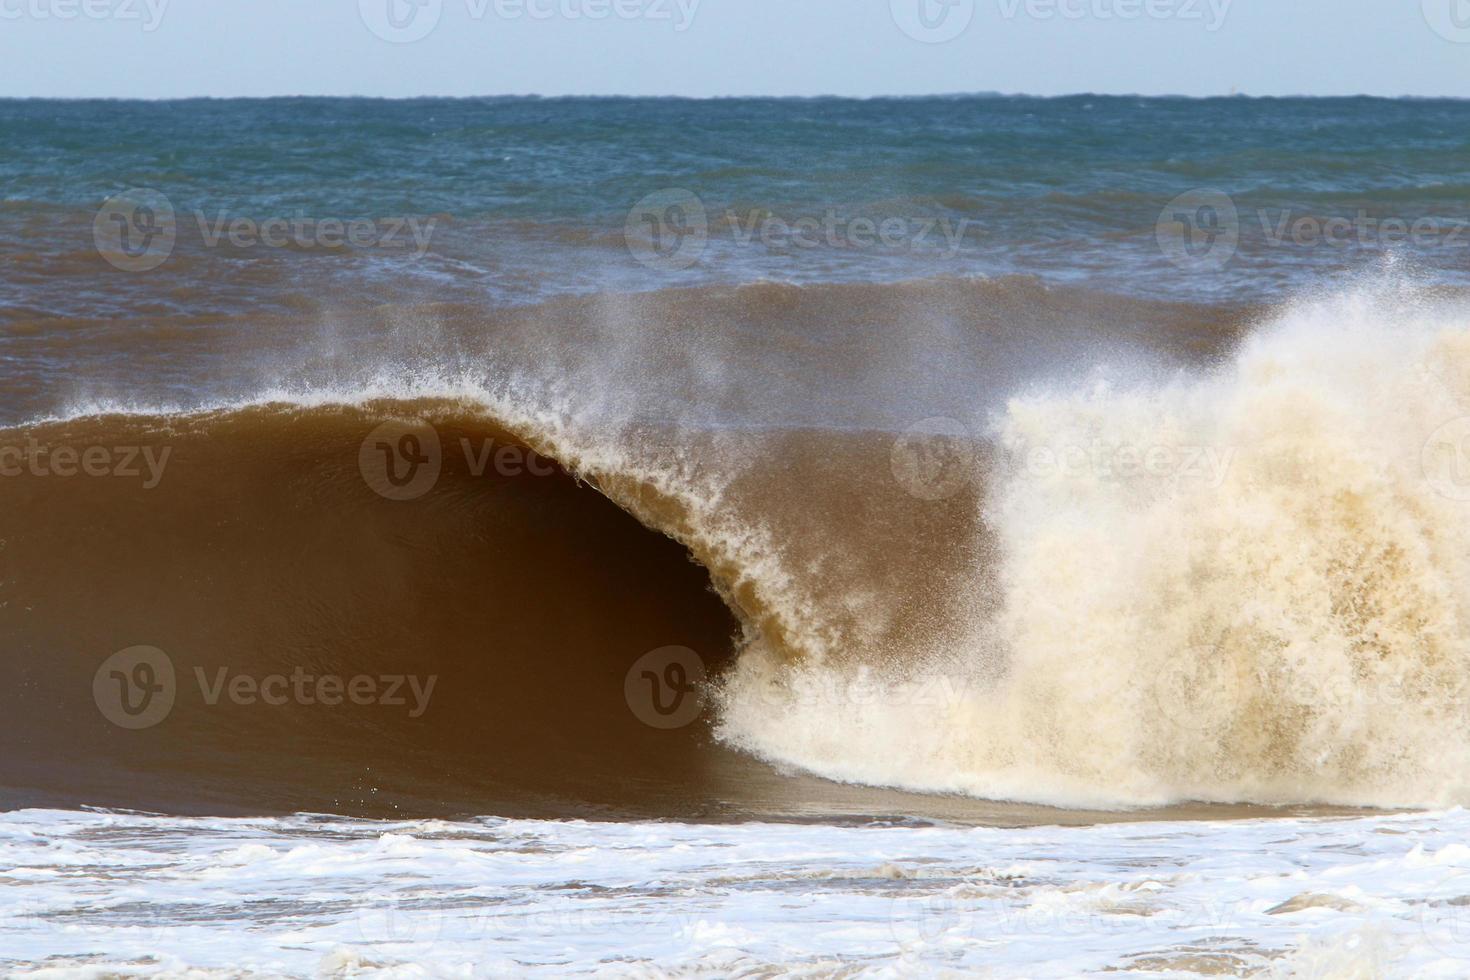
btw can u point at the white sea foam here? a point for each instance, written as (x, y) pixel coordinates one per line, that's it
(1247, 584)
(93, 894)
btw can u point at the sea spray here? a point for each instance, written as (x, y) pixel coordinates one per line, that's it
(1295, 630)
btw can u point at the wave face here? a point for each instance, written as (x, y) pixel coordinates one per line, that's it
(498, 617)
(1038, 545)
(262, 551)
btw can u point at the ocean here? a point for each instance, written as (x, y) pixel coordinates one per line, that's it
(473, 537)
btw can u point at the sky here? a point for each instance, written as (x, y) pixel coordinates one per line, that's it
(180, 48)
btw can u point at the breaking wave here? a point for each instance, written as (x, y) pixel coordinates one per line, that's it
(1063, 550)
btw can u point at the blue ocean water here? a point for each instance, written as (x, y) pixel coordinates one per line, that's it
(519, 198)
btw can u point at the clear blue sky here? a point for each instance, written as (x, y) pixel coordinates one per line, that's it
(169, 48)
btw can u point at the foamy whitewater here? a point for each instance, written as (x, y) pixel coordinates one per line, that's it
(1248, 584)
(93, 895)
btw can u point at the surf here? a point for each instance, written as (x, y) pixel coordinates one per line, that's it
(1292, 630)
(1028, 593)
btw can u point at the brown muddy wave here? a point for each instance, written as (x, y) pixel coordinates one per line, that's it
(917, 572)
(496, 614)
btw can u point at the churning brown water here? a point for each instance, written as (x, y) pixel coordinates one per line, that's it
(1040, 546)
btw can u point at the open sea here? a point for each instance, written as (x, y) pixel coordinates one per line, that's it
(977, 536)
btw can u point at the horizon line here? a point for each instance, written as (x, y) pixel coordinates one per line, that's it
(536, 96)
